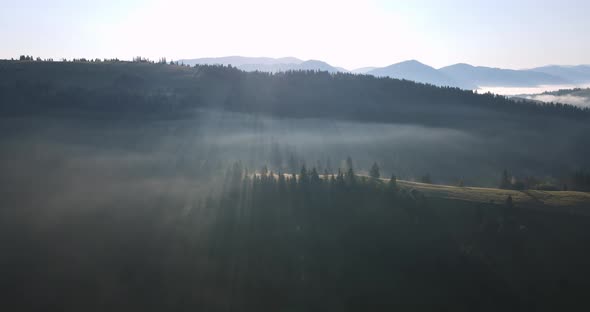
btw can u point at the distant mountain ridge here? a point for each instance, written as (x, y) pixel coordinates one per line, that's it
(576, 74)
(416, 71)
(266, 64)
(461, 75)
(496, 77)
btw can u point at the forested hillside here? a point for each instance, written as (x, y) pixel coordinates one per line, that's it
(144, 88)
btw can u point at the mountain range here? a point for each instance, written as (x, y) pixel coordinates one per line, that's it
(266, 64)
(460, 75)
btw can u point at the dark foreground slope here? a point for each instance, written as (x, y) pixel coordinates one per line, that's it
(280, 244)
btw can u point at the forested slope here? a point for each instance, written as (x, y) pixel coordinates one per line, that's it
(143, 88)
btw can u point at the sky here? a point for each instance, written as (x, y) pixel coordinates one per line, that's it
(351, 34)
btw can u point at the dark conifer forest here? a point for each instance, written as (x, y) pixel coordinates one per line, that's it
(272, 242)
(142, 186)
(147, 88)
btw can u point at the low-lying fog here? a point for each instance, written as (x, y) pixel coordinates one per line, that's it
(575, 100)
(170, 154)
(530, 90)
(52, 165)
(536, 93)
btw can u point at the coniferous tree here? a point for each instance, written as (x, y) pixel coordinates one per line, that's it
(350, 176)
(264, 171)
(314, 177)
(281, 182)
(340, 178)
(348, 163)
(393, 181)
(374, 173)
(505, 180)
(303, 176)
(293, 166)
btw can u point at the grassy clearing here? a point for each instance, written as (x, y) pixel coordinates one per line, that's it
(567, 201)
(571, 202)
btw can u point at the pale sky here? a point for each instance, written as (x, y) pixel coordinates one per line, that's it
(351, 34)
